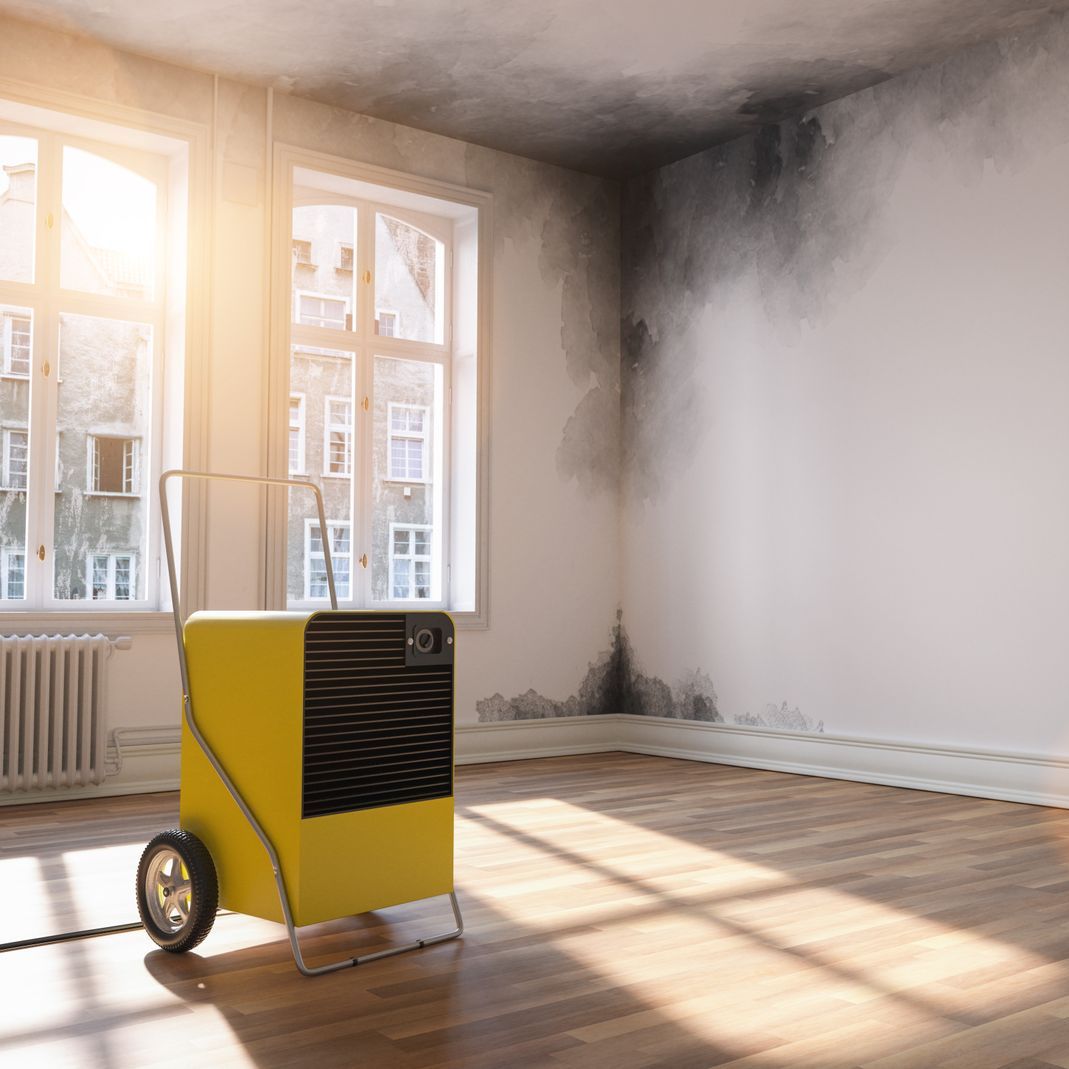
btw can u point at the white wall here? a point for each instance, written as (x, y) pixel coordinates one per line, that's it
(847, 409)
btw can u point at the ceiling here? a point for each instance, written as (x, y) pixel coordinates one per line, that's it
(612, 87)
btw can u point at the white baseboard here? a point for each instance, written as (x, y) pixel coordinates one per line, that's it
(141, 761)
(1032, 778)
(518, 740)
(150, 757)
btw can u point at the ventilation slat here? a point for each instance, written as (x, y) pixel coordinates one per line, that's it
(377, 731)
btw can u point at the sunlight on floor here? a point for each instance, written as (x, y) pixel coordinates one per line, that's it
(852, 951)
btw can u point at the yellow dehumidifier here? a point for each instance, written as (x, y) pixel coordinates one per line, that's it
(317, 766)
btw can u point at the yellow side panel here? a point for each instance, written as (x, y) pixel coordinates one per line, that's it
(374, 858)
(246, 674)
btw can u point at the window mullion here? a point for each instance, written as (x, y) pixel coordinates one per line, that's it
(44, 375)
(360, 546)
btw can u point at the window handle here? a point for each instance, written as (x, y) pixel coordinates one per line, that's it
(363, 561)
(46, 369)
(366, 278)
(40, 552)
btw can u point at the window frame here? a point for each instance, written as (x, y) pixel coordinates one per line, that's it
(164, 157)
(469, 213)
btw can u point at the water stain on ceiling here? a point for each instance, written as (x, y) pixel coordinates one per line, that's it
(611, 87)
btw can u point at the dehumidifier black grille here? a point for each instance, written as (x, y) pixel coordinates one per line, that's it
(378, 723)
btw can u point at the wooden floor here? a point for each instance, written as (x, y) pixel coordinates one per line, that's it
(622, 912)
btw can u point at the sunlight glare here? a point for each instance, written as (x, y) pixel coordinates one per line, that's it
(112, 206)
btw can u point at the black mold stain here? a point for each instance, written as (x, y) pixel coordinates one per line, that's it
(613, 684)
(782, 717)
(574, 221)
(792, 216)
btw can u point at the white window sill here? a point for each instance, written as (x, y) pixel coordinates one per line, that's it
(13, 489)
(408, 482)
(337, 475)
(15, 376)
(112, 493)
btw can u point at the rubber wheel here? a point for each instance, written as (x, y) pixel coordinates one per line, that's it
(177, 890)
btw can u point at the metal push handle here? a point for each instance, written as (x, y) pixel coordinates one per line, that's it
(172, 570)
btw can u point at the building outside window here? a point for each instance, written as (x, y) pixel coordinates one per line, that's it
(410, 562)
(16, 453)
(315, 562)
(113, 465)
(15, 343)
(12, 574)
(338, 447)
(296, 446)
(110, 576)
(316, 310)
(407, 442)
(386, 324)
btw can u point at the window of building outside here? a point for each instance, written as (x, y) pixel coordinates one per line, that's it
(83, 248)
(296, 445)
(382, 329)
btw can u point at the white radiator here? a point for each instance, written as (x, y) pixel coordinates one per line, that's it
(52, 713)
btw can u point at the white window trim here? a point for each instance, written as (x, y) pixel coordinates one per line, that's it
(90, 469)
(429, 558)
(328, 427)
(408, 436)
(309, 523)
(113, 556)
(301, 428)
(477, 351)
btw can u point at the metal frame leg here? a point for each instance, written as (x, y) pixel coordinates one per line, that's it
(349, 963)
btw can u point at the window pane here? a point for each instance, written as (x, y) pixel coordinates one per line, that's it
(406, 516)
(409, 282)
(15, 340)
(325, 379)
(324, 282)
(18, 215)
(102, 418)
(109, 227)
